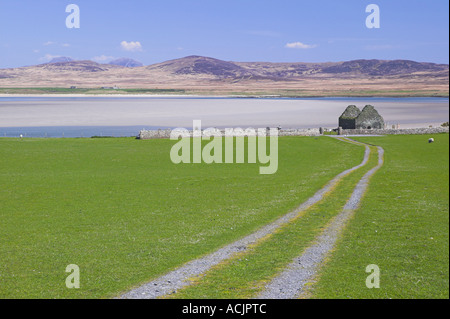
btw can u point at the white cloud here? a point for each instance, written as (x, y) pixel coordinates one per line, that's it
(299, 45)
(49, 43)
(131, 46)
(103, 58)
(65, 45)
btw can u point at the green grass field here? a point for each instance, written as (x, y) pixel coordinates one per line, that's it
(245, 275)
(124, 213)
(402, 226)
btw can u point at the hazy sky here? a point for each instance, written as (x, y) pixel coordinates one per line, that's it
(150, 31)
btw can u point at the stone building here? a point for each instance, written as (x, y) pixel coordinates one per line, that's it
(368, 118)
(348, 119)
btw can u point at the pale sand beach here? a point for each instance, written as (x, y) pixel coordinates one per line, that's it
(180, 111)
(97, 95)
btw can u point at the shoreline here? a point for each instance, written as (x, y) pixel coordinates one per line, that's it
(100, 95)
(286, 133)
(120, 95)
(163, 111)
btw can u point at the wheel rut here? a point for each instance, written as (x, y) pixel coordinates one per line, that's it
(290, 283)
(181, 277)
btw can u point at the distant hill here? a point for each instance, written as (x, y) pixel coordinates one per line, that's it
(381, 68)
(197, 73)
(198, 65)
(129, 63)
(61, 59)
(75, 66)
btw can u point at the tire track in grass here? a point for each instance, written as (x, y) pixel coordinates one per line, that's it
(291, 282)
(179, 278)
(245, 275)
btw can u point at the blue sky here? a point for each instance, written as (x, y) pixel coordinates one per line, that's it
(33, 32)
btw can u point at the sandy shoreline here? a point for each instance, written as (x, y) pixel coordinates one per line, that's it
(209, 96)
(104, 95)
(176, 111)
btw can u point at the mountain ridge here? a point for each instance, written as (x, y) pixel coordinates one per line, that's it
(195, 64)
(126, 62)
(198, 73)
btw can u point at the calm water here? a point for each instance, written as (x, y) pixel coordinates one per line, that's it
(125, 116)
(74, 131)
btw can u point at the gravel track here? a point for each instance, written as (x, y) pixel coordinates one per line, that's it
(180, 277)
(291, 282)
